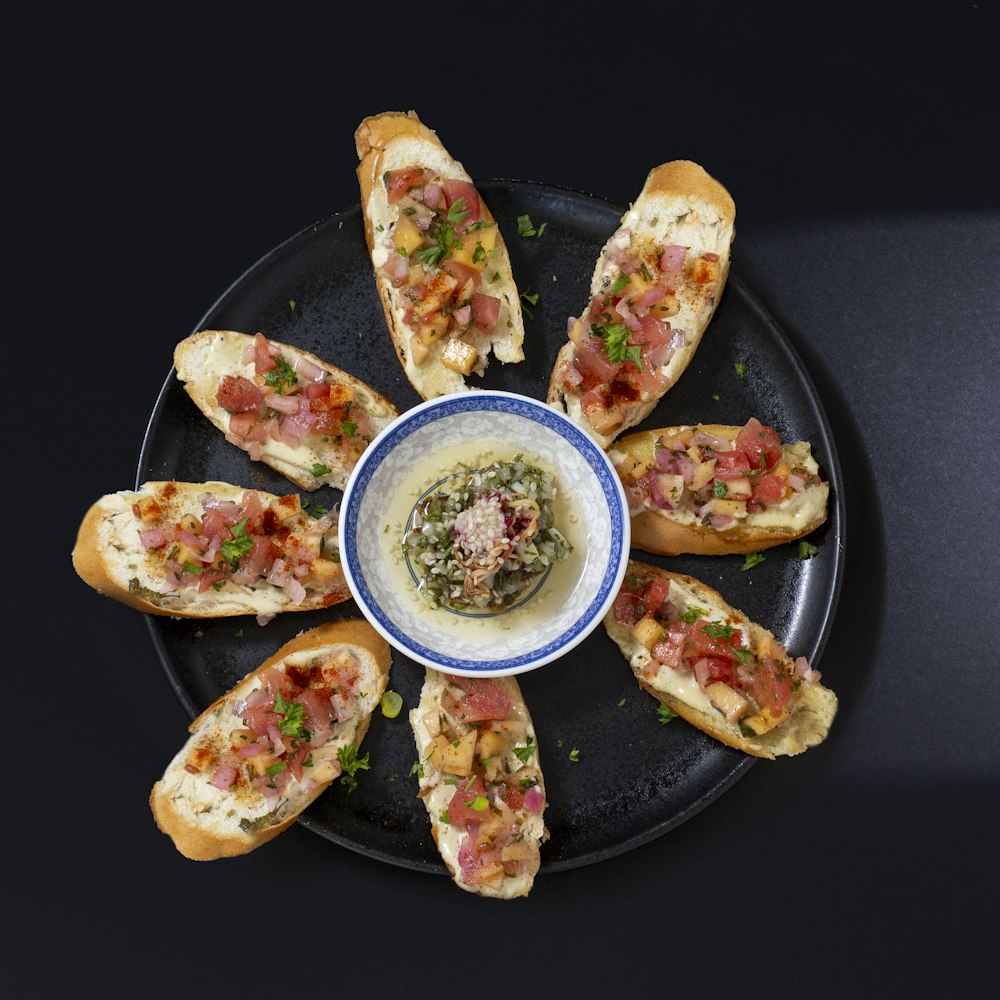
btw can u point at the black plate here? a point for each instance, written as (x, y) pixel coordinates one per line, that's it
(633, 779)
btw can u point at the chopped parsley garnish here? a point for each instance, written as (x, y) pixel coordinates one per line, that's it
(478, 254)
(524, 754)
(622, 702)
(692, 615)
(621, 283)
(348, 427)
(319, 469)
(293, 714)
(417, 769)
(276, 768)
(574, 755)
(318, 511)
(525, 226)
(741, 369)
(716, 630)
(458, 213)
(807, 550)
(440, 250)
(238, 546)
(351, 763)
(665, 714)
(720, 489)
(530, 300)
(616, 345)
(291, 304)
(280, 376)
(751, 560)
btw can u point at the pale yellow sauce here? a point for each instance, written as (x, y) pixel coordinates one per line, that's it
(554, 592)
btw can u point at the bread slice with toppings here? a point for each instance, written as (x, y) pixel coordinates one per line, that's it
(481, 781)
(713, 489)
(209, 550)
(441, 266)
(283, 406)
(655, 287)
(723, 673)
(264, 751)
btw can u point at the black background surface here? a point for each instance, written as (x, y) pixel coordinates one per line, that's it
(157, 156)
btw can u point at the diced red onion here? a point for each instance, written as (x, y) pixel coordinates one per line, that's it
(152, 538)
(673, 258)
(309, 371)
(533, 799)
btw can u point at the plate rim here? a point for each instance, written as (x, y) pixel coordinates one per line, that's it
(741, 765)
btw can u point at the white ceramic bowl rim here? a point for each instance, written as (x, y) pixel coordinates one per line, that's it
(477, 401)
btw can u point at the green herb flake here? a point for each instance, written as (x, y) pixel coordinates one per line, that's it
(349, 428)
(283, 374)
(351, 764)
(525, 227)
(319, 469)
(616, 345)
(524, 754)
(621, 702)
(239, 545)
(318, 511)
(807, 550)
(741, 369)
(751, 560)
(664, 714)
(574, 755)
(692, 615)
(291, 304)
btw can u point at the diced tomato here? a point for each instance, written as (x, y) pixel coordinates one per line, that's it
(761, 444)
(636, 490)
(628, 607)
(701, 643)
(262, 354)
(771, 687)
(511, 793)
(242, 424)
(237, 394)
(653, 336)
(656, 594)
(398, 182)
(466, 192)
(769, 489)
(731, 464)
(483, 699)
(669, 649)
(460, 809)
(485, 312)
(591, 358)
(462, 273)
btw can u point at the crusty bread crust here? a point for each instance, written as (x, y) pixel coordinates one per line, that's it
(203, 821)
(109, 556)
(661, 532)
(811, 708)
(394, 140)
(435, 792)
(679, 203)
(201, 382)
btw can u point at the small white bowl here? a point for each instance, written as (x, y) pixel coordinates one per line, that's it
(425, 445)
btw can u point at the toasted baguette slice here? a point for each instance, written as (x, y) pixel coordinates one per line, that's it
(680, 505)
(655, 287)
(449, 298)
(481, 781)
(344, 419)
(233, 786)
(253, 553)
(772, 705)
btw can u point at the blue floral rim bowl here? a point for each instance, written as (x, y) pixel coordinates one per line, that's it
(432, 443)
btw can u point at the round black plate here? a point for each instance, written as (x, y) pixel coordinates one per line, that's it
(630, 779)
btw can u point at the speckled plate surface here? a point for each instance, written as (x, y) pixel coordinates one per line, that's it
(631, 779)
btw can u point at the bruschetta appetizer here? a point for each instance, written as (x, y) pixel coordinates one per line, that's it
(265, 750)
(210, 550)
(723, 673)
(711, 489)
(655, 287)
(441, 266)
(481, 781)
(283, 406)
